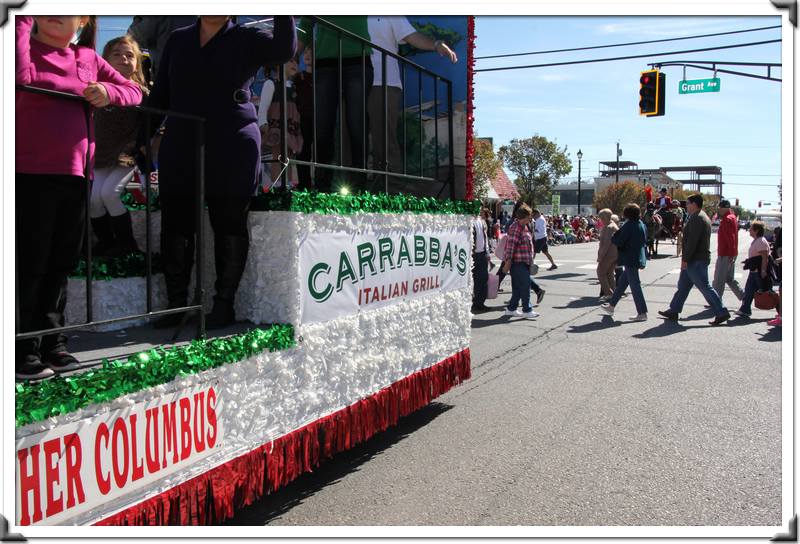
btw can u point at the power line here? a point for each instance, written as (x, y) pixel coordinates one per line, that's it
(628, 43)
(626, 57)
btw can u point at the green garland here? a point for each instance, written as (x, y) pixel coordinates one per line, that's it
(335, 203)
(108, 268)
(338, 204)
(132, 204)
(41, 400)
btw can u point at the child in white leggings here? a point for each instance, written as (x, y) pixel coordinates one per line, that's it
(116, 131)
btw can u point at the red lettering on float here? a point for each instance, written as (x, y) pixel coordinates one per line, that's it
(54, 504)
(138, 470)
(151, 440)
(29, 483)
(199, 427)
(170, 433)
(186, 427)
(103, 483)
(119, 430)
(211, 416)
(72, 443)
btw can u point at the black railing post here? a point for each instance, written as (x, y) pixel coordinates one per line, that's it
(421, 132)
(148, 255)
(312, 171)
(200, 188)
(451, 151)
(436, 125)
(341, 103)
(364, 86)
(403, 109)
(88, 217)
(284, 130)
(385, 110)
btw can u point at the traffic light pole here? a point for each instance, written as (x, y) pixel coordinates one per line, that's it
(617, 163)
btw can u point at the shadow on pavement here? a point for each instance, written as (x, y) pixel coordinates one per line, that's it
(583, 302)
(665, 328)
(772, 335)
(331, 472)
(606, 322)
(562, 276)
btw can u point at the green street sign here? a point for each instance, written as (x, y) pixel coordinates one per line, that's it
(556, 201)
(694, 86)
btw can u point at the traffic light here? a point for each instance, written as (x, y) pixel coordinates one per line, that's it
(759, 203)
(652, 88)
(737, 202)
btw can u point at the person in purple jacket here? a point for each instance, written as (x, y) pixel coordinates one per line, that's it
(206, 69)
(54, 155)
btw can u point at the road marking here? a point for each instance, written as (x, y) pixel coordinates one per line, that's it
(588, 266)
(675, 271)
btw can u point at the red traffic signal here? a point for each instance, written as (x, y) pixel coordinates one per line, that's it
(652, 87)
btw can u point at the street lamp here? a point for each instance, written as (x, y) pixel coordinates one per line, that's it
(580, 156)
(619, 154)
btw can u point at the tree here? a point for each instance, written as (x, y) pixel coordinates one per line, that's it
(618, 195)
(485, 164)
(537, 163)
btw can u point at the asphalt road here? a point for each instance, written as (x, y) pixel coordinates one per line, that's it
(576, 419)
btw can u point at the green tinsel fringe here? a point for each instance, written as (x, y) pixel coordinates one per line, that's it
(334, 203)
(109, 268)
(56, 396)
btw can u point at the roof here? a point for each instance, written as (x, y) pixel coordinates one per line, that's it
(503, 186)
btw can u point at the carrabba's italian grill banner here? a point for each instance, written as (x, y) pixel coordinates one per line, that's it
(342, 273)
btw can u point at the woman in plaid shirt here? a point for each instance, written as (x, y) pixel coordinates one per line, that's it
(518, 256)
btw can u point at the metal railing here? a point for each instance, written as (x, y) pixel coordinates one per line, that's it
(385, 169)
(197, 307)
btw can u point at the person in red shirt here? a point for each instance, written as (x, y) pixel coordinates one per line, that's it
(518, 257)
(727, 251)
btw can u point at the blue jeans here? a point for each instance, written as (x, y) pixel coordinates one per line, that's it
(696, 275)
(750, 288)
(520, 287)
(630, 277)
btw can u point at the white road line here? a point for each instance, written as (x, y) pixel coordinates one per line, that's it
(587, 266)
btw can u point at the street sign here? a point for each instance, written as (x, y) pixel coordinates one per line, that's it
(556, 204)
(694, 86)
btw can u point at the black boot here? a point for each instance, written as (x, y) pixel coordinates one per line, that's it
(125, 243)
(230, 257)
(177, 256)
(101, 226)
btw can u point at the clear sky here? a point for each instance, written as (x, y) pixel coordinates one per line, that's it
(592, 106)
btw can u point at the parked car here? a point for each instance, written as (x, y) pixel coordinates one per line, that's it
(744, 224)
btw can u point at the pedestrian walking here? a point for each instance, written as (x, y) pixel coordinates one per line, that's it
(480, 262)
(727, 251)
(606, 256)
(758, 255)
(631, 240)
(518, 258)
(694, 264)
(540, 238)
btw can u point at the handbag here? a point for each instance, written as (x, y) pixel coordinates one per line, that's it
(766, 300)
(500, 248)
(492, 286)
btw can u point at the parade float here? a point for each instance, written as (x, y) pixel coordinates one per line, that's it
(361, 312)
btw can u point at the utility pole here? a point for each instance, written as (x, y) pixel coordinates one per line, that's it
(580, 156)
(619, 152)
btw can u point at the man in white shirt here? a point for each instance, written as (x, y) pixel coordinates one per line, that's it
(389, 33)
(540, 238)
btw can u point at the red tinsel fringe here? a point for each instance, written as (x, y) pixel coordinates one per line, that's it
(212, 497)
(470, 98)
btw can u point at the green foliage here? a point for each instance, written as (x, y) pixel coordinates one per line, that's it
(485, 164)
(618, 195)
(537, 163)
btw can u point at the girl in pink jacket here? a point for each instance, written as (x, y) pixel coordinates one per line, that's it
(54, 154)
